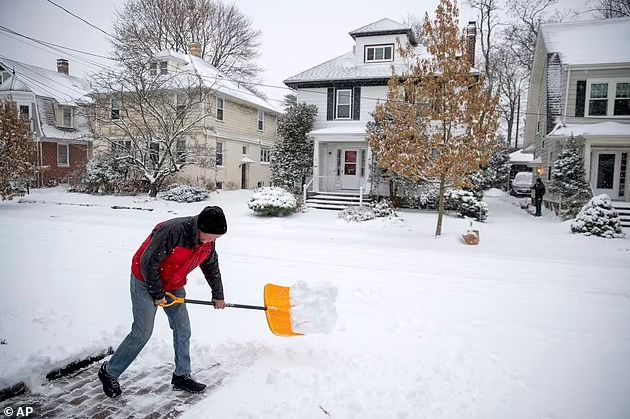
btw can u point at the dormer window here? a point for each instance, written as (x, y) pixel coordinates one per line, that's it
(163, 67)
(66, 116)
(153, 67)
(4, 75)
(379, 53)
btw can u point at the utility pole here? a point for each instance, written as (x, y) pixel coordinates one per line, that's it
(518, 118)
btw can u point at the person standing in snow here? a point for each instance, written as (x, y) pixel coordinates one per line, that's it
(539, 192)
(173, 249)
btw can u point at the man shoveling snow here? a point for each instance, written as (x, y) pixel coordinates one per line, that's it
(173, 249)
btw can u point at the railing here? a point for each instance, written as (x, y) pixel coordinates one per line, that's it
(361, 191)
(305, 188)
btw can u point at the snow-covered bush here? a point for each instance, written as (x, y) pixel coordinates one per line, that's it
(598, 218)
(103, 174)
(184, 193)
(466, 204)
(382, 208)
(357, 214)
(273, 201)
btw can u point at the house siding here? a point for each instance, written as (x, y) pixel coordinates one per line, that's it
(592, 74)
(53, 174)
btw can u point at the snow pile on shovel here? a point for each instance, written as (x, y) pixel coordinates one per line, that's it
(313, 309)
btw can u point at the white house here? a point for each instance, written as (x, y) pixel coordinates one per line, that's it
(580, 86)
(346, 90)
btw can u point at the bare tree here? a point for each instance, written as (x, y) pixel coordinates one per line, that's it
(613, 8)
(488, 20)
(511, 83)
(153, 123)
(521, 36)
(227, 37)
(415, 23)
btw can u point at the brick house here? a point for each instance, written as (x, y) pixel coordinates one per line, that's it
(56, 105)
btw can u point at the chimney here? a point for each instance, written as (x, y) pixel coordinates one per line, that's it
(471, 40)
(62, 66)
(194, 48)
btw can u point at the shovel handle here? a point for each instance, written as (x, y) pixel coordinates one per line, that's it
(178, 300)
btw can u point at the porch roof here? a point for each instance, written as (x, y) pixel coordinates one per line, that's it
(348, 130)
(601, 129)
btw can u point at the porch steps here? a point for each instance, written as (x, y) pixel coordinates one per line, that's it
(623, 208)
(334, 200)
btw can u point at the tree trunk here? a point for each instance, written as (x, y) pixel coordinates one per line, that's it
(438, 229)
(153, 190)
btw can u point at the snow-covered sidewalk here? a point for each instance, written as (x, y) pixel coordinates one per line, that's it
(531, 323)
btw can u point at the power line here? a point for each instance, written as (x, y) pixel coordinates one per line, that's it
(81, 19)
(39, 41)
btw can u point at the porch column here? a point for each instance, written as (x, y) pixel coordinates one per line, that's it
(587, 162)
(368, 161)
(316, 165)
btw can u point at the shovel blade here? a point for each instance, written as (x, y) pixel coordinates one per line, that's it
(278, 310)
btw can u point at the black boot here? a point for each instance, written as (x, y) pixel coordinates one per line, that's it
(110, 384)
(187, 383)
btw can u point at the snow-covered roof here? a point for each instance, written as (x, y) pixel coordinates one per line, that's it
(383, 25)
(536, 161)
(65, 89)
(589, 42)
(519, 157)
(600, 129)
(345, 67)
(216, 80)
(340, 130)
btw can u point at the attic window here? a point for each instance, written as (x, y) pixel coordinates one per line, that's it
(163, 67)
(153, 68)
(67, 117)
(379, 53)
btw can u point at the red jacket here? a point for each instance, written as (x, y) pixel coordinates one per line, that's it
(171, 251)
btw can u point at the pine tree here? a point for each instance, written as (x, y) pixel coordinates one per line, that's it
(598, 218)
(16, 152)
(498, 171)
(568, 179)
(444, 119)
(292, 155)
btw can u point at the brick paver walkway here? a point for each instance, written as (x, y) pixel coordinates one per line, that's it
(147, 394)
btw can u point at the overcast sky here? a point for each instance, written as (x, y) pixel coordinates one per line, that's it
(296, 34)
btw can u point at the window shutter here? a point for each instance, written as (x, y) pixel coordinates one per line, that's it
(356, 105)
(330, 104)
(580, 97)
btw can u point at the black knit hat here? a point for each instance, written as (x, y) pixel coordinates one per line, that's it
(212, 221)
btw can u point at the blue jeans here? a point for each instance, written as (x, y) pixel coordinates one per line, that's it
(144, 311)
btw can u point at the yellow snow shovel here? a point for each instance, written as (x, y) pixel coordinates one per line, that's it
(277, 308)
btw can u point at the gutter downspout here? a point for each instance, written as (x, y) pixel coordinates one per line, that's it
(40, 156)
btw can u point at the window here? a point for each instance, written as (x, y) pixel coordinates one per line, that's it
(121, 147)
(622, 99)
(63, 155)
(219, 155)
(180, 151)
(344, 103)
(598, 103)
(244, 149)
(116, 104)
(622, 175)
(261, 120)
(220, 108)
(153, 68)
(154, 152)
(4, 75)
(163, 67)
(378, 53)
(265, 155)
(25, 113)
(66, 117)
(608, 97)
(338, 162)
(181, 102)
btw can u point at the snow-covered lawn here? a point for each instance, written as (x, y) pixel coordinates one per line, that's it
(534, 322)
